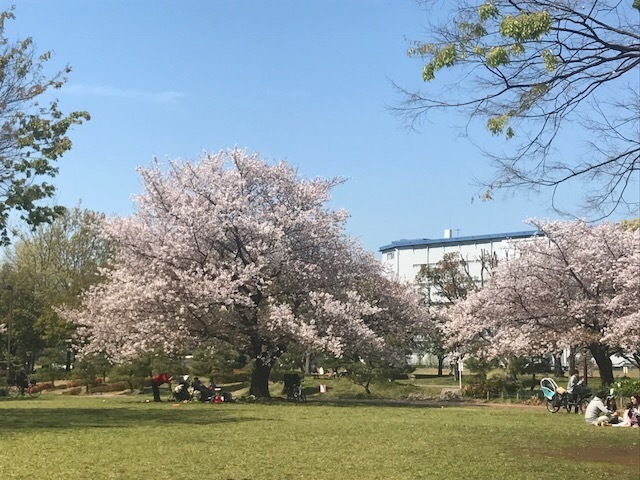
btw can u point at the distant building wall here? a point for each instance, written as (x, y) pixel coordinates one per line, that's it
(403, 258)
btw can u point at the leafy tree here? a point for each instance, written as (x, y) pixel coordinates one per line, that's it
(366, 372)
(136, 371)
(34, 135)
(481, 366)
(530, 68)
(442, 285)
(216, 359)
(576, 286)
(52, 361)
(235, 249)
(630, 224)
(49, 267)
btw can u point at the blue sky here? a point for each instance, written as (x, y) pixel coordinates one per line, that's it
(303, 81)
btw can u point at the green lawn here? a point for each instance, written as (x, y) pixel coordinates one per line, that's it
(59, 437)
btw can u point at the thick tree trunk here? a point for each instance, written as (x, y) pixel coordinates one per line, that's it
(440, 364)
(260, 380)
(266, 357)
(601, 356)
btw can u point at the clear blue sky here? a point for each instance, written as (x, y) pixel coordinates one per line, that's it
(302, 81)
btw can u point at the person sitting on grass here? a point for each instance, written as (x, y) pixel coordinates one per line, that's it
(631, 415)
(181, 393)
(597, 413)
(204, 394)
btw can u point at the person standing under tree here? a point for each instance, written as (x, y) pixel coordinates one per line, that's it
(572, 388)
(155, 385)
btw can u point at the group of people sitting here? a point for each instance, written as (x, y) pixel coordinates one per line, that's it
(187, 390)
(602, 410)
(320, 372)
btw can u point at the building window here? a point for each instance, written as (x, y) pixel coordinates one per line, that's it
(390, 255)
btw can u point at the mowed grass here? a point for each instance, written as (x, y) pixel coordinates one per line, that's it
(59, 437)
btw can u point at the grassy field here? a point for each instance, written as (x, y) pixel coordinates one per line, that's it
(60, 437)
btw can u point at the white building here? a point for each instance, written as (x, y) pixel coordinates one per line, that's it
(405, 257)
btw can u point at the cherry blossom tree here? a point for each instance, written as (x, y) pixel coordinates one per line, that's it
(574, 284)
(233, 248)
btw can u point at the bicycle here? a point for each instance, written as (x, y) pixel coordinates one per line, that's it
(558, 398)
(31, 389)
(293, 388)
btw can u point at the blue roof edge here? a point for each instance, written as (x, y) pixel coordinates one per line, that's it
(419, 242)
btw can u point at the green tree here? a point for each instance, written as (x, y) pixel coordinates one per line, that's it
(216, 359)
(440, 286)
(33, 136)
(630, 224)
(49, 267)
(52, 361)
(529, 69)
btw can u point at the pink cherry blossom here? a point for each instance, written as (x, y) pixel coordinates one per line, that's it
(235, 248)
(575, 285)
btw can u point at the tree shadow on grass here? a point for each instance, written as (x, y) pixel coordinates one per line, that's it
(38, 419)
(381, 402)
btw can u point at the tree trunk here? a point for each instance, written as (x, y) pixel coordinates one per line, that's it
(260, 379)
(601, 356)
(307, 363)
(366, 386)
(557, 365)
(511, 373)
(572, 359)
(440, 364)
(264, 361)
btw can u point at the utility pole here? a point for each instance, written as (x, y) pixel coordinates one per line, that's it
(585, 367)
(9, 327)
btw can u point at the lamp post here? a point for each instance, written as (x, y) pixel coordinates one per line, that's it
(9, 326)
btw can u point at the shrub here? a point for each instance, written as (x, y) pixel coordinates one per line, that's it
(480, 366)
(238, 375)
(73, 391)
(479, 387)
(132, 382)
(110, 387)
(626, 387)
(45, 386)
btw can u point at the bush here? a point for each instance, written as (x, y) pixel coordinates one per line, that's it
(73, 391)
(132, 382)
(238, 375)
(110, 387)
(626, 387)
(529, 383)
(480, 388)
(480, 366)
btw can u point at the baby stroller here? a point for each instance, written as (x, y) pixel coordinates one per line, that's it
(553, 393)
(293, 388)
